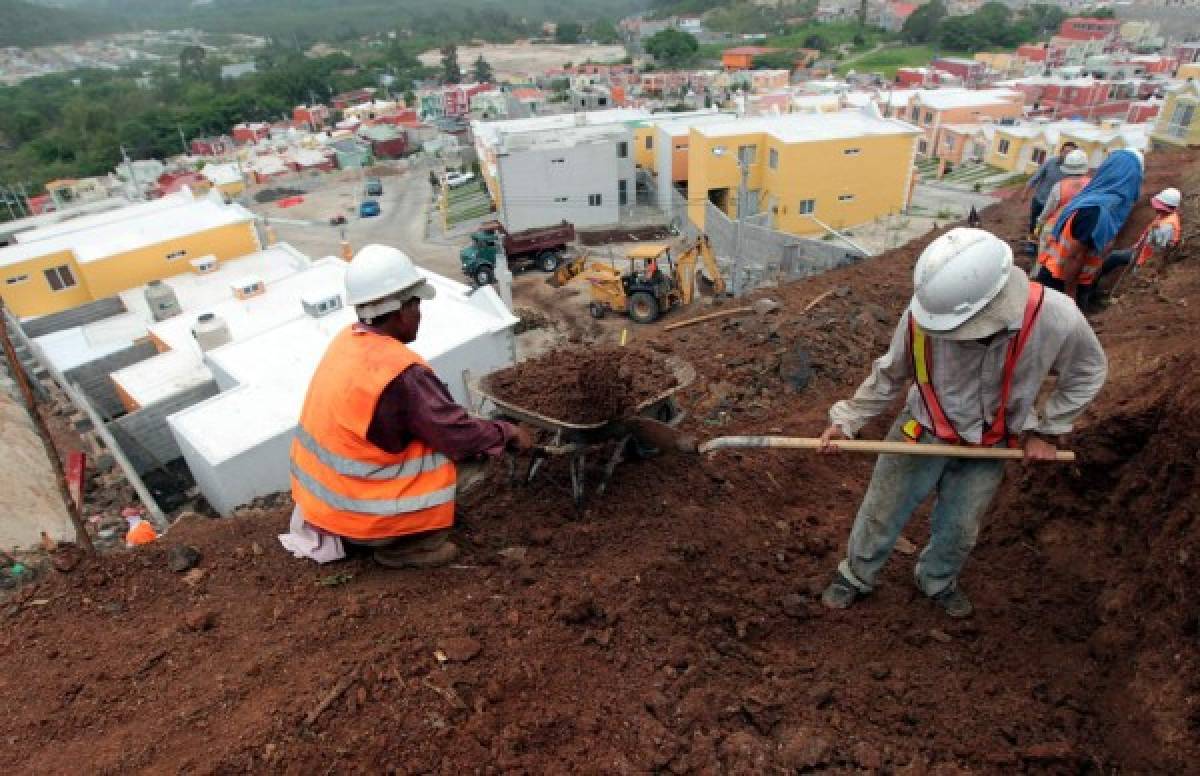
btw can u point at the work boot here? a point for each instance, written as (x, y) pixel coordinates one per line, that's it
(954, 602)
(409, 557)
(841, 593)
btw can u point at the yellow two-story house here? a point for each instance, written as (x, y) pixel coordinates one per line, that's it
(1178, 122)
(94, 257)
(808, 171)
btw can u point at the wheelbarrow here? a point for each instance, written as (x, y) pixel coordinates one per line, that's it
(578, 441)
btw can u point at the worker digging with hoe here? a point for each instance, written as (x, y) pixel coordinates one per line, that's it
(374, 457)
(1160, 235)
(978, 340)
(1050, 173)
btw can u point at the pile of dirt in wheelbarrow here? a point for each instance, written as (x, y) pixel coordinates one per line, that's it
(586, 384)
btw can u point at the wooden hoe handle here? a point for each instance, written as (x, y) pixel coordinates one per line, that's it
(868, 446)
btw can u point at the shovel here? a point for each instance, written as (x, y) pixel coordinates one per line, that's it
(666, 438)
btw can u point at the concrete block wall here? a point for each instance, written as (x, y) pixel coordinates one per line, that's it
(144, 435)
(768, 255)
(93, 377)
(76, 316)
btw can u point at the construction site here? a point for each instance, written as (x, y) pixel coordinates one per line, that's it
(614, 608)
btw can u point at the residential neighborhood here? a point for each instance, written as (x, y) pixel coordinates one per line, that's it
(512, 388)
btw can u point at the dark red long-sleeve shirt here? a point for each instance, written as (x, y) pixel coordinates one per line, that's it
(417, 404)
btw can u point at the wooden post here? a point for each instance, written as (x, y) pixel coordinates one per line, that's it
(81, 534)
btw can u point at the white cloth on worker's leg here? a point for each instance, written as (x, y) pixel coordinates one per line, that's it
(306, 541)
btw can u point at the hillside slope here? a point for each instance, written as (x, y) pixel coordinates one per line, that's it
(674, 624)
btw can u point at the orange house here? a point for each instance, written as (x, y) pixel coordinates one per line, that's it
(742, 57)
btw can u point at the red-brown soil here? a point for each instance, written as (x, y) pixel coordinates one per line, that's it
(584, 383)
(674, 624)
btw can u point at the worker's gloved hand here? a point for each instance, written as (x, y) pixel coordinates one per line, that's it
(1038, 449)
(828, 439)
(521, 439)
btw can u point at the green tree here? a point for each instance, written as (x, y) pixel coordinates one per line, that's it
(568, 32)
(191, 62)
(451, 72)
(775, 60)
(921, 25)
(603, 31)
(816, 41)
(671, 47)
(1044, 18)
(481, 71)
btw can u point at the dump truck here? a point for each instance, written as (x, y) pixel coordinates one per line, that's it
(542, 247)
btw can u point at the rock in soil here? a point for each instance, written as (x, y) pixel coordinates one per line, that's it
(460, 649)
(200, 619)
(181, 557)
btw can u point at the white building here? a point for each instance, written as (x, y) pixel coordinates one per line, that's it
(236, 443)
(582, 174)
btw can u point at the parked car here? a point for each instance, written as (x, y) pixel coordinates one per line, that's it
(368, 208)
(456, 179)
(374, 187)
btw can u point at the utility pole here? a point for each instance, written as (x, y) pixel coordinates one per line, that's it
(182, 141)
(137, 186)
(735, 284)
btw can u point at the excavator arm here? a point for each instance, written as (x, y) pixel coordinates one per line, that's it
(685, 268)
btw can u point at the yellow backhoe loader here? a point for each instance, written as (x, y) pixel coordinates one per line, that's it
(654, 282)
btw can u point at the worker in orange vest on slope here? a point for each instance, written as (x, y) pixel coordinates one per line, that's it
(1074, 168)
(374, 457)
(1162, 233)
(1083, 235)
(977, 343)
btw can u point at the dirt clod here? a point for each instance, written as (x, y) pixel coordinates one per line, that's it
(200, 619)
(460, 649)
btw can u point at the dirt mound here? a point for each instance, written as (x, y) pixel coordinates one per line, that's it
(674, 624)
(586, 384)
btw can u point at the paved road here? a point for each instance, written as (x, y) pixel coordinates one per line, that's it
(404, 207)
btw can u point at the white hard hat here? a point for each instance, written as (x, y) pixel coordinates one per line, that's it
(1075, 163)
(1169, 197)
(384, 276)
(967, 286)
(1141, 158)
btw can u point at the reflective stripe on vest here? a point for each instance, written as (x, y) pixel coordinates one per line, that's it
(1054, 256)
(922, 356)
(341, 481)
(368, 471)
(1147, 250)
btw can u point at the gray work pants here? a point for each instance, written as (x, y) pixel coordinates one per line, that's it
(964, 488)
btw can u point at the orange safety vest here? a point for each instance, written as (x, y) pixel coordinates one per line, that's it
(1067, 189)
(1147, 250)
(1054, 256)
(341, 481)
(922, 356)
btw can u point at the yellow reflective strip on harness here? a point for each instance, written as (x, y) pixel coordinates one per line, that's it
(918, 344)
(912, 430)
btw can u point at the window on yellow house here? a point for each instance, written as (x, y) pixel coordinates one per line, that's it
(1039, 155)
(176, 255)
(1003, 148)
(852, 151)
(12, 281)
(773, 159)
(748, 154)
(59, 278)
(928, 117)
(1181, 120)
(845, 198)
(807, 207)
(649, 142)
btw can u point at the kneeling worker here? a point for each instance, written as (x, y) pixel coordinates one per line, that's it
(978, 340)
(1160, 234)
(373, 460)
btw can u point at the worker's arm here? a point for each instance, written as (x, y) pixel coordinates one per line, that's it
(417, 404)
(1162, 235)
(1081, 367)
(1051, 205)
(1035, 179)
(889, 376)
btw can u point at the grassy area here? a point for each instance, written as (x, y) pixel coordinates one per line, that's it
(888, 60)
(834, 34)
